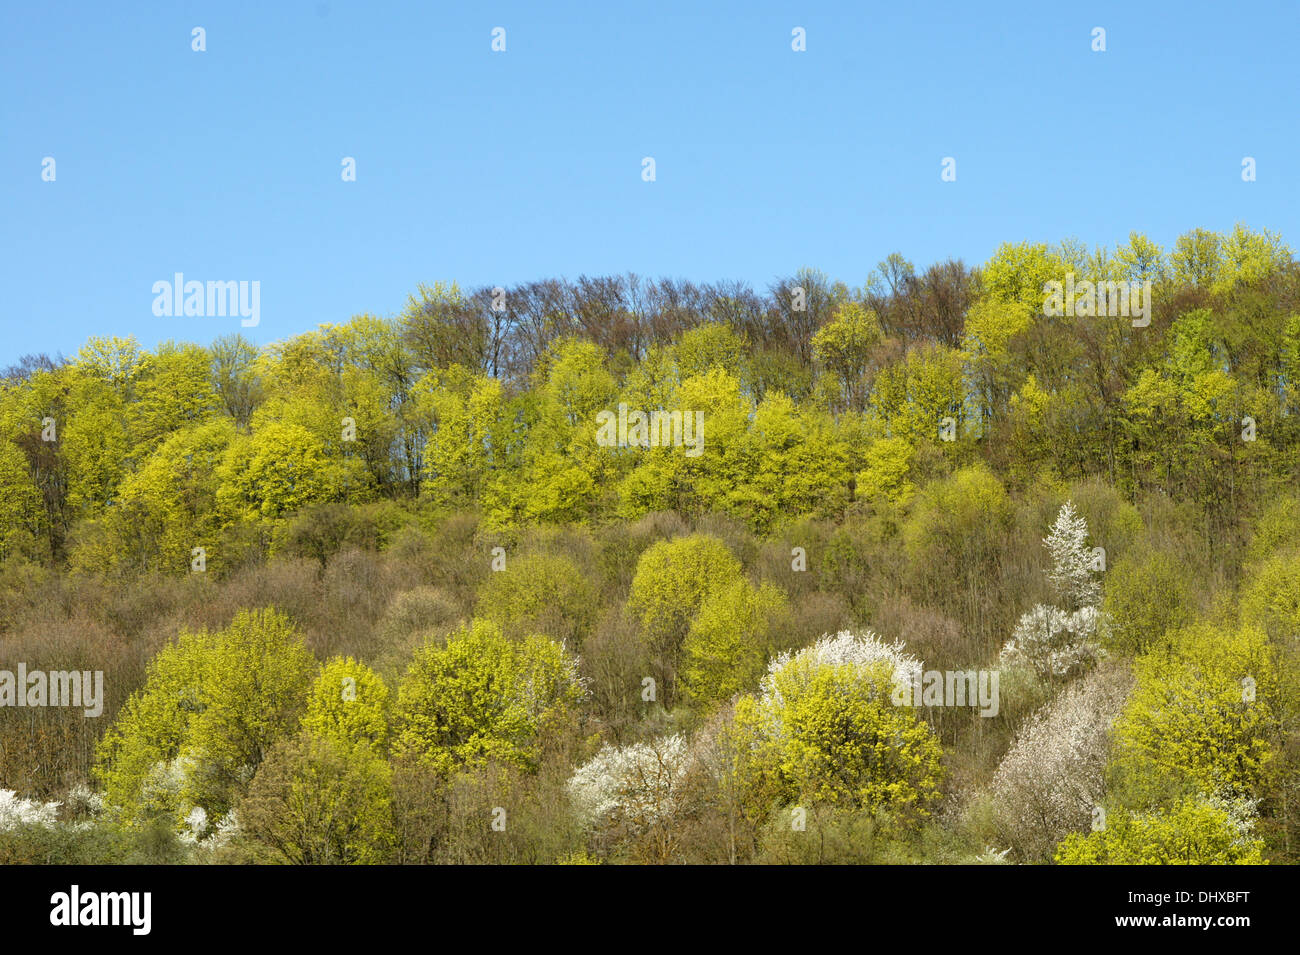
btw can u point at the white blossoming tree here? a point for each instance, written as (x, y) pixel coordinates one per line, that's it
(1072, 562)
(1058, 643)
(634, 791)
(1055, 644)
(824, 728)
(864, 651)
(1052, 776)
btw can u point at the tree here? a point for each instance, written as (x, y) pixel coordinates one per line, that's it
(1147, 597)
(824, 728)
(1141, 260)
(885, 476)
(1195, 832)
(1204, 709)
(713, 345)
(724, 650)
(321, 801)
(540, 593)
(274, 472)
(1197, 258)
(1270, 599)
(348, 703)
(1053, 775)
(234, 377)
(790, 462)
(635, 792)
(993, 327)
(467, 440)
(1248, 256)
(1017, 273)
(443, 328)
(20, 501)
(844, 346)
(911, 397)
(1059, 643)
(172, 390)
(1053, 643)
(212, 705)
(672, 580)
(481, 697)
(169, 506)
(1072, 560)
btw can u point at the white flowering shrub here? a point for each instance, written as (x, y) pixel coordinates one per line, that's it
(1242, 813)
(846, 648)
(163, 787)
(637, 786)
(1054, 643)
(17, 811)
(196, 823)
(1052, 776)
(992, 856)
(201, 834)
(84, 801)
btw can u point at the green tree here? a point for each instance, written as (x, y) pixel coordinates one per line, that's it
(844, 346)
(212, 705)
(828, 732)
(321, 801)
(1018, 272)
(1195, 832)
(20, 501)
(468, 413)
(1147, 597)
(1205, 709)
(1270, 596)
(274, 472)
(482, 697)
(726, 647)
(348, 703)
(540, 593)
(672, 580)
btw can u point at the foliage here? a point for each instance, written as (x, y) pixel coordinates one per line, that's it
(480, 696)
(1195, 832)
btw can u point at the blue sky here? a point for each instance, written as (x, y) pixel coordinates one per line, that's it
(496, 168)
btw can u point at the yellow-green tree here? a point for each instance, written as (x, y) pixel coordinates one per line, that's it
(1205, 709)
(212, 705)
(824, 731)
(481, 697)
(726, 646)
(349, 704)
(672, 580)
(844, 347)
(317, 800)
(540, 593)
(1194, 832)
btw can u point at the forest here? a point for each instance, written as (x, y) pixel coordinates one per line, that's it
(620, 570)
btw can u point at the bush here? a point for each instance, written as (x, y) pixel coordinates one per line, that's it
(540, 593)
(1053, 775)
(1195, 832)
(1147, 597)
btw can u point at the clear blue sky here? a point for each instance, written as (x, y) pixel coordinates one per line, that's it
(496, 168)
